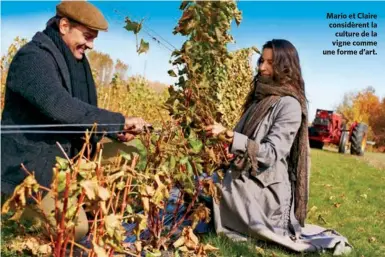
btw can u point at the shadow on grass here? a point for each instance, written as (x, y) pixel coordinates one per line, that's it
(250, 248)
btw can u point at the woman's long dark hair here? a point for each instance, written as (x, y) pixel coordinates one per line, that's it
(286, 68)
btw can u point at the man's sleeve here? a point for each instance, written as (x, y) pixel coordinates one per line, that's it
(34, 76)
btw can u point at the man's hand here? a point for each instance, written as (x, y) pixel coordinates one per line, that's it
(215, 130)
(135, 125)
(125, 137)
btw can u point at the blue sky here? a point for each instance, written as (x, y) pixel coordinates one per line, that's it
(303, 23)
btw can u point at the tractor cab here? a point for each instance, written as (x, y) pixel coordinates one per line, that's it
(327, 124)
(322, 118)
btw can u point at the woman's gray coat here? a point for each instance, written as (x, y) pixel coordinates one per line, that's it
(262, 207)
(263, 201)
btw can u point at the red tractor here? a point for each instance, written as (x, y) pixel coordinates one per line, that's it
(328, 127)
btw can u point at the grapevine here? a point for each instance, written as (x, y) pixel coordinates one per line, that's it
(135, 187)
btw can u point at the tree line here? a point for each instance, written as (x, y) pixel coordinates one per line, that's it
(361, 106)
(367, 107)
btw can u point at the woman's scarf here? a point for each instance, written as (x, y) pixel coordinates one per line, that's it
(266, 94)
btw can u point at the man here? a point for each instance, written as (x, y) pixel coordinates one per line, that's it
(50, 82)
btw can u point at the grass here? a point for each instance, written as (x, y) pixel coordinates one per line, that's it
(347, 192)
(376, 160)
(8, 235)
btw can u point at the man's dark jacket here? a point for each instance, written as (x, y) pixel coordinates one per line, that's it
(38, 91)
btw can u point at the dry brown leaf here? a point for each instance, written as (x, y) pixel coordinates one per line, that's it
(17, 215)
(99, 251)
(211, 154)
(161, 192)
(19, 197)
(183, 249)
(260, 250)
(187, 239)
(149, 191)
(103, 193)
(146, 204)
(17, 244)
(45, 250)
(312, 210)
(209, 188)
(90, 188)
(146, 193)
(210, 248)
(33, 245)
(141, 224)
(372, 239)
(30, 244)
(200, 213)
(190, 245)
(337, 205)
(86, 165)
(115, 176)
(111, 223)
(138, 246)
(201, 252)
(103, 207)
(178, 243)
(192, 236)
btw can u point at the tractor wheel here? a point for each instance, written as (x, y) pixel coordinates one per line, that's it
(343, 141)
(316, 144)
(358, 140)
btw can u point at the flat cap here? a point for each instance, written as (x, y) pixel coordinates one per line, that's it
(84, 13)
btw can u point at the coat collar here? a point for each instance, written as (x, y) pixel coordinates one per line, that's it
(46, 43)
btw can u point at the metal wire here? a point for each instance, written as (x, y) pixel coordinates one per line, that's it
(56, 125)
(54, 132)
(23, 129)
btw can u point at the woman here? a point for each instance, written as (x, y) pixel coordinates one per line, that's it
(265, 190)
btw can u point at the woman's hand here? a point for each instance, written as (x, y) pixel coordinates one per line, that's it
(215, 130)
